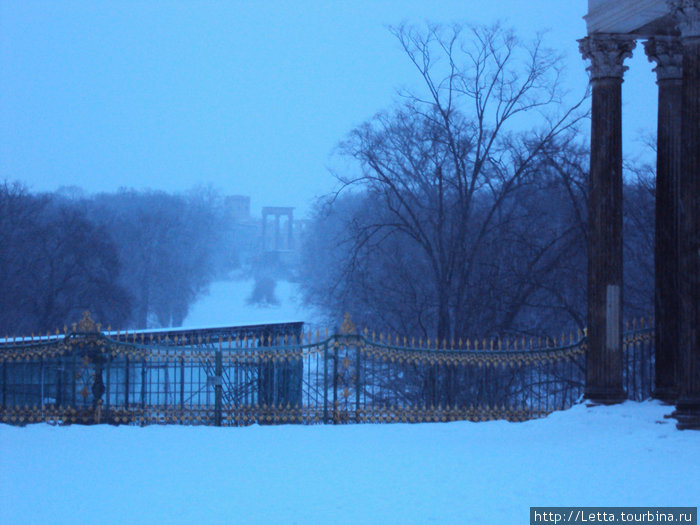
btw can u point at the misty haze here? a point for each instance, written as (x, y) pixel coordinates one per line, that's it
(423, 262)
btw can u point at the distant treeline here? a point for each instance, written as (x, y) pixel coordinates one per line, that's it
(525, 275)
(133, 258)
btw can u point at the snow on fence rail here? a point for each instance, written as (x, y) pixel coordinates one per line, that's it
(288, 376)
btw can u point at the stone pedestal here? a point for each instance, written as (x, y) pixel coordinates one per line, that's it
(668, 55)
(604, 355)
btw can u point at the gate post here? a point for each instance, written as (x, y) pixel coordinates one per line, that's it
(336, 415)
(218, 371)
(325, 382)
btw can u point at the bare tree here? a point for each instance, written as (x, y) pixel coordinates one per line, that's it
(54, 264)
(445, 161)
(168, 246)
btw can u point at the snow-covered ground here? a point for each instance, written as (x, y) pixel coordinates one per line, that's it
(626, 455)
(225, 305)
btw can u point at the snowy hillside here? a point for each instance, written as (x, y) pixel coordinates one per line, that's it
(461, 472)
(225, 305)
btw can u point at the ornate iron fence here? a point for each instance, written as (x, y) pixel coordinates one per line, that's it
(293, 377)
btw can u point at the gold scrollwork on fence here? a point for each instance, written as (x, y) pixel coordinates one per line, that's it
(333, 368)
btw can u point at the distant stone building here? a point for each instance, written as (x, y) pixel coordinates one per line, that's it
(239, 207)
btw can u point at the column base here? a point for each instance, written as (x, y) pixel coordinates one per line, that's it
(605, 396)
(688, 414)
(666, 395)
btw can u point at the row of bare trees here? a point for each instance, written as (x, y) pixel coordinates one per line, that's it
(133, 258)
(464, 210)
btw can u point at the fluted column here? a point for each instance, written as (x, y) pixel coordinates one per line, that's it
(667, 53)
(604, 356)
(687, 14)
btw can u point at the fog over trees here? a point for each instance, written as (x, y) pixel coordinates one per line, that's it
(462, 212)
(133, 258)
(465, 212)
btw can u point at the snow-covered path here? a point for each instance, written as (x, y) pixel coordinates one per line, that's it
(492, 472)
(225, 305)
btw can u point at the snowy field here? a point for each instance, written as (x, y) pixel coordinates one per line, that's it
(225, 305)
(492, 472)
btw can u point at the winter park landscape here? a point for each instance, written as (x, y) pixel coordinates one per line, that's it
(362, 262)
(459, 472)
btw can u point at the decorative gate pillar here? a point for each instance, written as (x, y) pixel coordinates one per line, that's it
(607, 53)
(668, 55)
(687, 13)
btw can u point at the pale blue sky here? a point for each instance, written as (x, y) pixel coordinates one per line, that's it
(251, 96)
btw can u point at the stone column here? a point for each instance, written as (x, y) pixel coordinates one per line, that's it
(687, 13)
(277, 231)
(604, 356)
(667, 53)
(264, 231)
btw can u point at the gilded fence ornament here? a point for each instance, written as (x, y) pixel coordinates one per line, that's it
(347, 327)
(148, 381)
(86, 324)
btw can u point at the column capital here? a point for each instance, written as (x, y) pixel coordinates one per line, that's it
(687, 16)
(667, 52)
(607, 52)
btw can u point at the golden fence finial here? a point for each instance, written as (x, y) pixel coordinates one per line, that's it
(347, 327)
(86, 324)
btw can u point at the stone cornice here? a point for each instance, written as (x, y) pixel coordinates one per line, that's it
(687, 14)
(623, 16)
(607, 54)
(667, 52)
